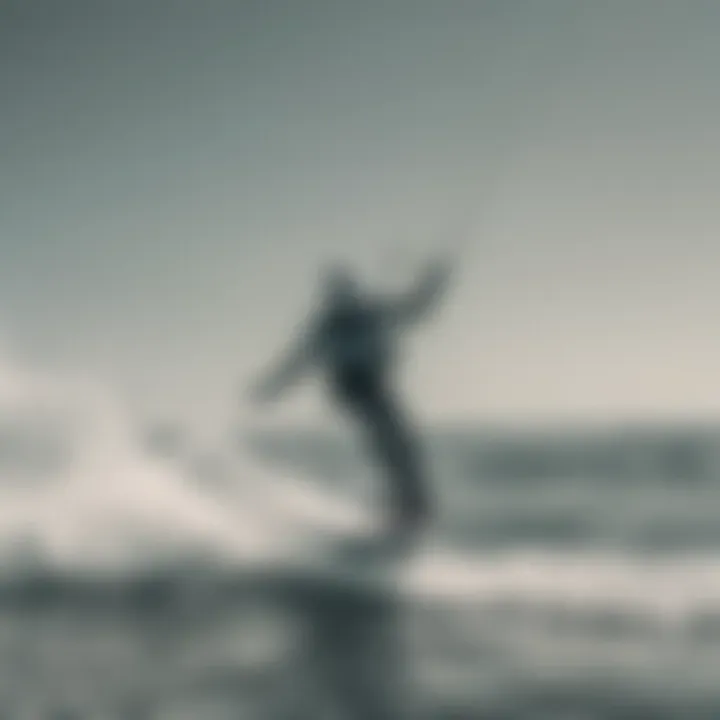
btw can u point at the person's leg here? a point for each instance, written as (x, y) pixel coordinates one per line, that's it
(397, 450)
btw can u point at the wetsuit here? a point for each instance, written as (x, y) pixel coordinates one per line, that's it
(354, 346)
(353, 340)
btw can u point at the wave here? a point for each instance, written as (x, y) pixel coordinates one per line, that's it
(97, 501)
(665, 586)
(99, 507)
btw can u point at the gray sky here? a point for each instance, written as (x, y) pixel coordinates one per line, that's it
(173, 172)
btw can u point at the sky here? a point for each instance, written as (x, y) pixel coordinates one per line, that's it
(174, 173)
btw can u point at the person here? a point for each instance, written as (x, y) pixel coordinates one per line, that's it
(353, 341)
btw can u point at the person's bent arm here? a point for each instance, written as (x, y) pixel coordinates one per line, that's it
(417, 304)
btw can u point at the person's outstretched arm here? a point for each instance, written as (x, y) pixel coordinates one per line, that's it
(419, 302)
(285, 373)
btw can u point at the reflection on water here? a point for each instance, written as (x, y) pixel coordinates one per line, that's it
(297, 650)
(354, 646)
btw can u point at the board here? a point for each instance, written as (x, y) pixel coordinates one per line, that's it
(362, 564)
(327, 539)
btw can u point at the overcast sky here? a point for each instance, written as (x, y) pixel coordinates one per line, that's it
(172, 173)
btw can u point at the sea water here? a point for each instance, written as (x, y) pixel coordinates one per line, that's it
(133, 586)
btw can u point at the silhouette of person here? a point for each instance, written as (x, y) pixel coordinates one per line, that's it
(352, 339)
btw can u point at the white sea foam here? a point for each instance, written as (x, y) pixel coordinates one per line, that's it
(99, 501)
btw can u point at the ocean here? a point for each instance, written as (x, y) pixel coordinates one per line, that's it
(570, 573)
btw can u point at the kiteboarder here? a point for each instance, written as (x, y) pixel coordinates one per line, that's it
(353, 340)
